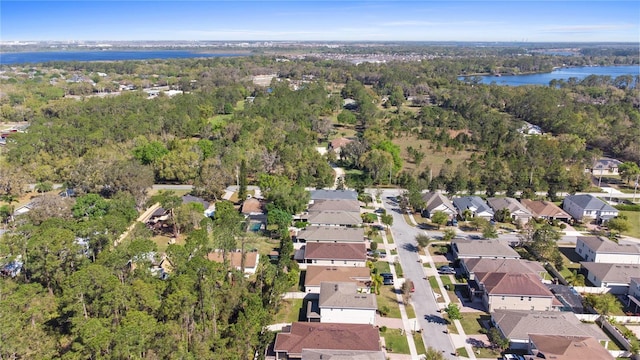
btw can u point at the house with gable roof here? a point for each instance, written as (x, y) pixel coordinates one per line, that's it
(315, 275)
(517, 325)
(501, 290)
(596, 249)
(605, 166)
(335, 234)
(545, 210)
(588, 206)
(615, 277)
(567, 347)
(342, 254)
(475, 204)
(434, 201)
(517, 211)
(340, 302)
(300, 336)
(481, 249)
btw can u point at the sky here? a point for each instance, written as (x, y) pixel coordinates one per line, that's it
(388, 20)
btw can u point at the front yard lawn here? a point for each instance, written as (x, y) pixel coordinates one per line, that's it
(395, 342)
(382, 266)
(388, 298)
(471, 322)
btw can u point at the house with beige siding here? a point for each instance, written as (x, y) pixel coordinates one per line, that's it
(340, 254)
(515, 292)
(517, 211)
(481, 249)
(315, 275)
(335, 234)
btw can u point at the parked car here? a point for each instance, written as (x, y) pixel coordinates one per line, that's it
(412, 287)
(387, 278)
(378, 227)
(447, 270)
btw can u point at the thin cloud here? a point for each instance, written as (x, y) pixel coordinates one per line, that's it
(405, 23)
(585, 28)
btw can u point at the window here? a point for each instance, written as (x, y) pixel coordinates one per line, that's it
(529, 298)
(503, 298)
(332, 262)
(521, 298)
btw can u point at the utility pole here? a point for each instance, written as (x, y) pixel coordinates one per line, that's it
(635, 188)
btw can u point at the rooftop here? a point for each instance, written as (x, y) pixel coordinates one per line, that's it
(334, 218)
(345, 295)
(612, 273)
(546, 209)
(509, 203)
(601, 245)
(327, 336)
(317, 274)
(435, 199)
(499, 283)
(570, 347)
(331, 233)
(518, 324)
(316, 354)
(335, 205)
(513, 266)
(473, 203)
(484, 248)
(334, 194)
(589, 202)
(335, 251)
(235, 258)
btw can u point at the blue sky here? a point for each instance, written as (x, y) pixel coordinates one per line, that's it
(390, 20)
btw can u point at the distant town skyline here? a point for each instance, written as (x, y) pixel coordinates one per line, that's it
(500, 21)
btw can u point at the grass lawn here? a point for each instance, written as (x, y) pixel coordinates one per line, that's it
(487, 353)
(162, 242)
(410, 312)
(388, 298)
(434, 286)
(382, 266)
(634, 223)
(398, 268)
(289, 311)
(471, 322)
(389, 236)
(434, 159)
(395, 342)
(462, 352)
(450, 325)
(417, 339)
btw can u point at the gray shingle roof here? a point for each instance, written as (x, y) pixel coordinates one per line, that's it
(331, 233)
(612, 273)
(474, 203)
(335, 251)
(344, 295)
(514, 266)
(334, 195)
(335, 205)
(510, 203)
(435, 199)
(600, 245)
(590, 202)
(334, 218)
(484, 248)
(518, 324)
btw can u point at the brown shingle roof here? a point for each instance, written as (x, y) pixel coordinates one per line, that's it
(329, 336)
(570, 347)
(252, 205)
(513, 284)
(518, 324)
(335, 218)
(235, 258)
(545, 209)
(335, 251)
(513, 266)
(338, 143)
(318, 274)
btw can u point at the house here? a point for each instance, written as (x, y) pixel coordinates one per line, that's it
(595, 249)
(337, 144)
(316, 275)
(471, 266)
(588, 206)
(530, 129)
(501, 290)
(342, 254)
(517, 211)
(434, 201)
(334, 194)
(567, 347)
(252, 206)
(615, 277)
(333, 218)
(517, 325)
(545, 210)
(316, 354)
(491, 248)
(236, 259)
(341, 302)
(605, 166)
(209, 208)
(336, 234)
(334, 205)
(293, 339)
(475, 204)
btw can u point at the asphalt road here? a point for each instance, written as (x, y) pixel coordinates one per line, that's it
(424, 302)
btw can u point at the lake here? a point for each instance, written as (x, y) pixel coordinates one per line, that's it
(563, 73)
(106, 55)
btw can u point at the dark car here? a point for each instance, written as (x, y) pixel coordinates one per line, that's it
(387, 278)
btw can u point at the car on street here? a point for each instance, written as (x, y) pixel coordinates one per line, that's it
(447, 270)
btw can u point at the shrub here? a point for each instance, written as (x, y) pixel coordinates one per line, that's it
(383, 328)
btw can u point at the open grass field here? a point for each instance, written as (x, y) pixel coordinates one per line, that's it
(634, 223)
(434, 159)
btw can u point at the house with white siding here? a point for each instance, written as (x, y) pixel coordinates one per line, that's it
(588, 206)
(434, 201)
(475, 204)
(341, 302)
(615, 277)
(596, 249)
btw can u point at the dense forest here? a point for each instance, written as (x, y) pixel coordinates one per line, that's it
(80, 296)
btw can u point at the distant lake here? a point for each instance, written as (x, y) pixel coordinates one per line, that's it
(106, 55)
(563, 73)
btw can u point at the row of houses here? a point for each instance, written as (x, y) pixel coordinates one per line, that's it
(578, 207)
(340, 310)
(534, 315)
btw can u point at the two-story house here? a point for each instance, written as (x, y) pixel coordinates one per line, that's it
(596, 249)
(588, 206)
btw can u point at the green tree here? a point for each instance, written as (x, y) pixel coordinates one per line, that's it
(576, 279)
(448, 234)
(433, 354)
(169, 201)
(489, 232)
(453, 311)
(279, 218)
(496, 339)
(479, 223)
(439, 218)
(149, 152)
(618, 224)
(628, 170)
(242, 189)
(422, 240)
(387, 219)
(90, 206)
(347, 117)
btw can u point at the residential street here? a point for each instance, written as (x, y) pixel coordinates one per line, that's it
(423, 299)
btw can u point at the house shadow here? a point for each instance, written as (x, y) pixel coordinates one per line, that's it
(410, 247)
(570, 254)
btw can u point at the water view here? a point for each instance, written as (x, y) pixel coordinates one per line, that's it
(563, 73)
(45, 56)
